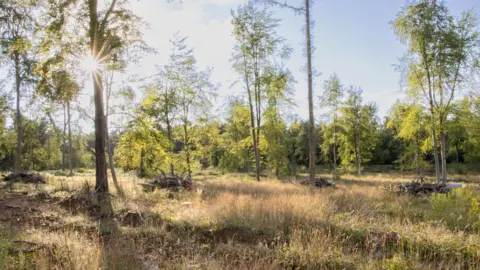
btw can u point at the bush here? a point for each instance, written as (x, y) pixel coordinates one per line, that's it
(459, 209)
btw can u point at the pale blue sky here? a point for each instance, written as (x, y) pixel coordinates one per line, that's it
(352, 38)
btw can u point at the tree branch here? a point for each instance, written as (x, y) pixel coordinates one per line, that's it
(107, 14)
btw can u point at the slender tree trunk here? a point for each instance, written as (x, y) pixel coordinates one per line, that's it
(457, 156)
(142, 153)
(435, 147)
(70, 166)
(435, 155)
(187, 148)
(359, 155)
(443, 155)
(255, 145)
(19, 122)
(252, 122)
(311, 122)
(335, 145)
(109, 143)
(417, 155)
(169, 135)
(64, 138)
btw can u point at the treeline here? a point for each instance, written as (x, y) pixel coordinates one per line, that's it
(172, 128)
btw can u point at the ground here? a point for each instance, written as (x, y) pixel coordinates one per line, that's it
(233, 222)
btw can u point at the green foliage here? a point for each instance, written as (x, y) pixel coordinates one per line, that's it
(236, 143)
(409, 122)
(143, 147)
(459, 209)
(358, 131)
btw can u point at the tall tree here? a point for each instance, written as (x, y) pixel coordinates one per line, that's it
(439, 53)
(257, 44)
(331, 97)
(311, 121)
(16, 31)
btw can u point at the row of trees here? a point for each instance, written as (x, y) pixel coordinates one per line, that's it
(44, 42)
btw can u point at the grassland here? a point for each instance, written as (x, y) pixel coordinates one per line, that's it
(232, 222)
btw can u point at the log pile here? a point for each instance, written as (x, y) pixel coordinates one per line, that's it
(416, 188)
(28, 178)
(318, 182)
(170, 182)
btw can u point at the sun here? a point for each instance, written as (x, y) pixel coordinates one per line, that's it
(89, 63)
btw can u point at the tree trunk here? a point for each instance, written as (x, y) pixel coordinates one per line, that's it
(109, 143)
(141, 174)
(435, 154)
(187, 149)
(19, 122)
(169, 135)
(64, 139)
(252, 122)
(311, 124)
(457, 155)
(359, 155)
(107, 225)
(443, 155)
(70, 166)
(334, 145)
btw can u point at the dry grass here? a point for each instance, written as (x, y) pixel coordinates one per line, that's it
(231, 221)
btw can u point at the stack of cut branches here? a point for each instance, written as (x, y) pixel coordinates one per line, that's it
(318, 182)
(170, 182)
(416, 188)
(34, 178)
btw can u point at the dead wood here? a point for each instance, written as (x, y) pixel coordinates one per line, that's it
(318, 182)
(417, 188)
(33, 178)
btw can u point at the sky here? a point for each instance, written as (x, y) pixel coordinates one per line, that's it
(353, 38)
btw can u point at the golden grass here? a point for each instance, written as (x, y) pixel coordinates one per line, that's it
(231, 221)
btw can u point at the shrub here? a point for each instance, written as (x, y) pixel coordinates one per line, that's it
(458, 209)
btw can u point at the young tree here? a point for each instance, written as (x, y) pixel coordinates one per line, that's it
(257, 44)
(194, 90)
(274, 128)
(358, 127)
(439, 53)
(16, 30)
(331, 97)
(409, 123)
(235, 143)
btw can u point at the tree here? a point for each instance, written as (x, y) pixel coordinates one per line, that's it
(274, 128)
(358, 127)
(257, 43)
(311, 121)
(439, 54)
(16, 29)
(331, 97)
(108, 31)
(235, 143)
(305, 10)
(409, 122)
(194, 90)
